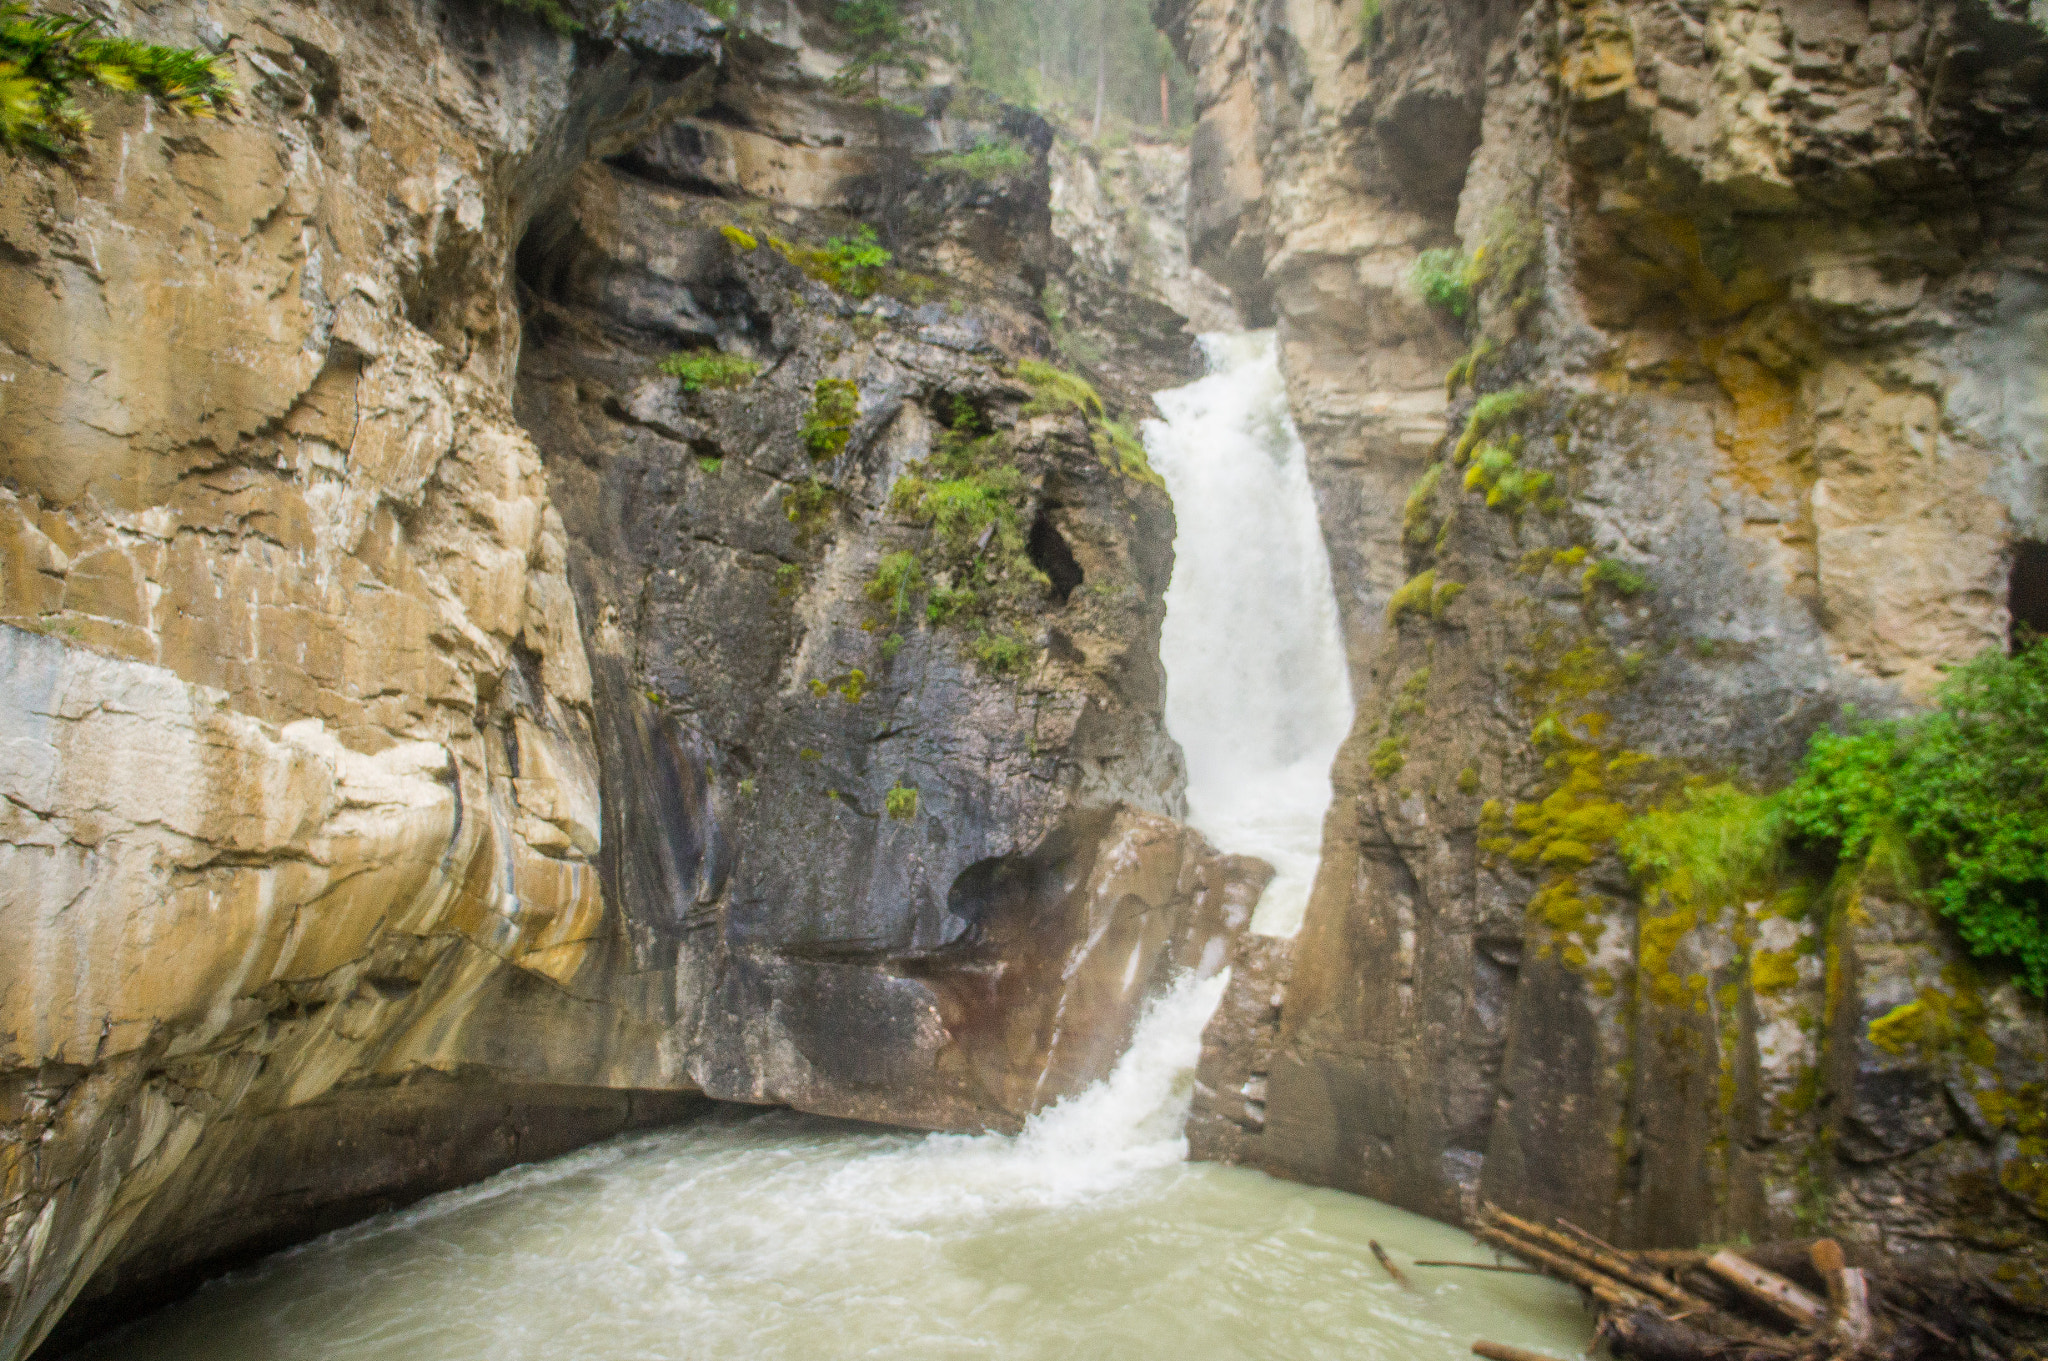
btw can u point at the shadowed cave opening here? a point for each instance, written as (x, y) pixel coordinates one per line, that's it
(2027, 593)
(1051, 554)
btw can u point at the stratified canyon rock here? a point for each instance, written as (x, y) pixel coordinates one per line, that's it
(1744, 425)
(433, 739)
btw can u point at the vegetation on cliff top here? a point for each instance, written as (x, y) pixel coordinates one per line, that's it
(44, 58)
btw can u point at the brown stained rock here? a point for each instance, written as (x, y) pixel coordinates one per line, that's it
(1777, 276)
(1234, 1077)
(356, 741)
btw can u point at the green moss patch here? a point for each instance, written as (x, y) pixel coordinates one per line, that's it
(709, 370)
(972, 565)
(828, 425)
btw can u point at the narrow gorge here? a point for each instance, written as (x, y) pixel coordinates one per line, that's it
(685, 678)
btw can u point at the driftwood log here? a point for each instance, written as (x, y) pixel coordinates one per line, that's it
(1743, 1305)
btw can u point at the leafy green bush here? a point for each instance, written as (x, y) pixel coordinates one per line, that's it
(44, 57)
(1966, 787)
(852, 264)
(858, 254)
(835, 406)
(991, 160)
(705, 370)
(901, 803)
(1445, 280)
(1006, 653)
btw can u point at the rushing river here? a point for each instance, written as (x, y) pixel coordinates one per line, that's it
(773, 1236)
(778, 1237)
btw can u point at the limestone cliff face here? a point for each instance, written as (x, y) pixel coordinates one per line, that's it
(1758, 327)
(412, 747)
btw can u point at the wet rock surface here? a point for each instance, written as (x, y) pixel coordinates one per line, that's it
(414, 754)
(1709, 457)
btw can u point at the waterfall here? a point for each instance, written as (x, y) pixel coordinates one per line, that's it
(789, 1238)
(1258, 694)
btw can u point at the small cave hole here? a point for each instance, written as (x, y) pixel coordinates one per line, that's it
(2027, 594)
(1052, 556)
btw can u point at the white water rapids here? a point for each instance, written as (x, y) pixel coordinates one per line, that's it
(780, 1237)
(1257, 692)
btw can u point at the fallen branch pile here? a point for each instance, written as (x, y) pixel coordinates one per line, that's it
(1730, 1306)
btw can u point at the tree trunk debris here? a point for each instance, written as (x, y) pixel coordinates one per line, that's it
(1725, 1305)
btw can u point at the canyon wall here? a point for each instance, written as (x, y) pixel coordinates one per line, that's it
(436, 737)
(1743, 427)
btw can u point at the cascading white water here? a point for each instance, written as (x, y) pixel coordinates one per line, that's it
(1258, 694)
(782, 1237)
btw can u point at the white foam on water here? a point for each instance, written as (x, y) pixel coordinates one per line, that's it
(782, 1237)
(1257, 693)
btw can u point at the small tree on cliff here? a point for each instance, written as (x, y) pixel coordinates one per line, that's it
(878, 38)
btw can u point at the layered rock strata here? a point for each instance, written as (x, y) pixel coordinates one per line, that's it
(1742, 427)
(414, 754)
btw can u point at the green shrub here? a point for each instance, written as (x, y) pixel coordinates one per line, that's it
(1006, 653)
(44, 57)
(835, 406)
(858, 255)
(1489, 461)
(901, 803)
(852, 264)
(1445, 280)
(1388, 758)
(1516, 488)
(1966, 787)
(990, 160)
(706, 370)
